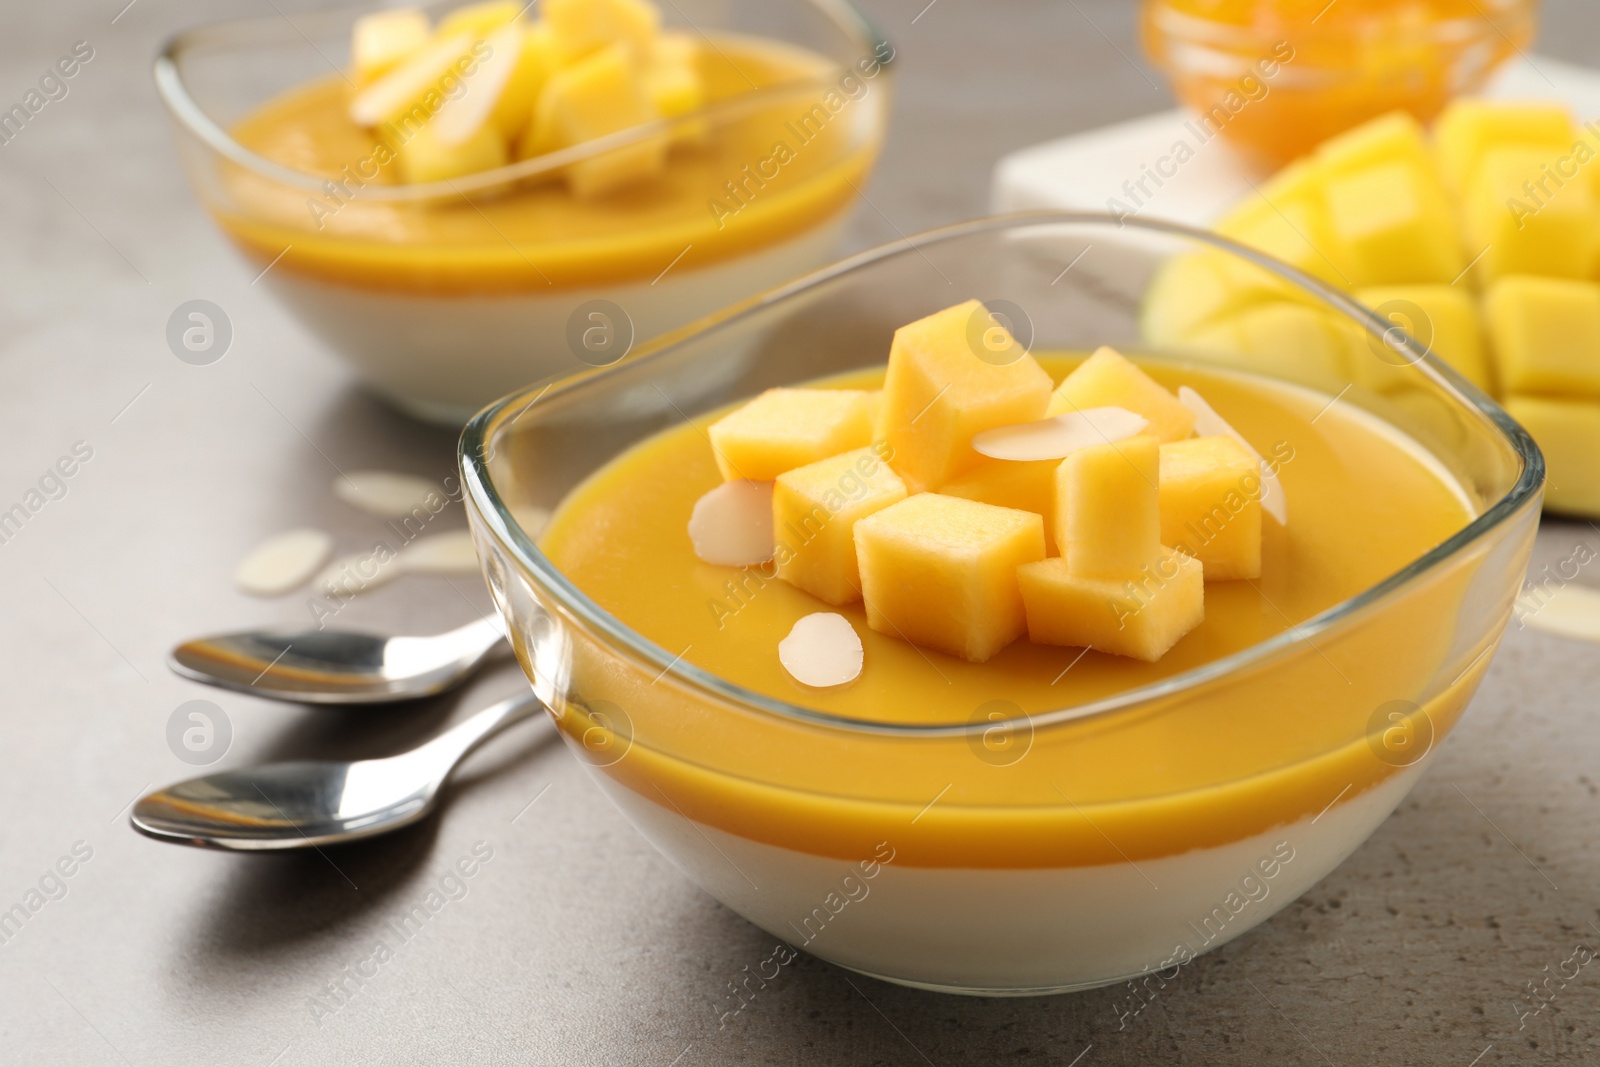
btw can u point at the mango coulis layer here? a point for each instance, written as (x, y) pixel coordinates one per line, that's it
(1230, 758)
(538, 236)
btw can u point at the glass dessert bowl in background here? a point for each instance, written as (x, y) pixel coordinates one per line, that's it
(1019, 843)
(1278, 77)
(444, 294)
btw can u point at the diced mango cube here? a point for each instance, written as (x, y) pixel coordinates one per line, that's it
(1108, 510)
(481, 19)
(407, 96)
(582, 26)
(537, 61)
(951, 376)
(596, 96)
(1141, 619)
(787, 428)
(1291, 341)
(941, 572)
(1009, 484)
(424, 157)
(673, 83)
(1210, 493)
(1568, 433)
(1395, 226)
(499, 60)
(814, 512)
(1109, 379)
(1528, 219)
(383, 39)
(1546, 335)
(1444, 318)
(1471, 126)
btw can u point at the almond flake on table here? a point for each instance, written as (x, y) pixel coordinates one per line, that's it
(441, 553)
(283, 563)
(359, 572)
(822, 650)
(731, 526)
(1568, 611)
(1207, 423)
(387, 494)
(1058, 436)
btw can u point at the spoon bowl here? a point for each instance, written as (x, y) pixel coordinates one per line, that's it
(311, 803)
(338, 667)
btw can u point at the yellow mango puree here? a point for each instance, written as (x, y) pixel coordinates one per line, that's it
(1253, 749)
(787, 165)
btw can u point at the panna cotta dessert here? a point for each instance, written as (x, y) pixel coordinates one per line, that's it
(492, 194)
(1013, 541)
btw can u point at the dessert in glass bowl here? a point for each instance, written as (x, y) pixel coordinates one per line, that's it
(482, 196)
(1060, 660)
(1278, 77)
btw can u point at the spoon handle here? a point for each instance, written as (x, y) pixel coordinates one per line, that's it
(452, 746)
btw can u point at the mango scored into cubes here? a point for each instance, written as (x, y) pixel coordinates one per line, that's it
(1141, 619)
(1395, 226)
(1108, 379)
(1210, 493)
(941, 572)
(939, 392)
(1108, 515)
(1442, 317)
(1546, 334)
(1470, 127)
(787, 428)
(814, 512)
(1568, 432)
(1528, 219)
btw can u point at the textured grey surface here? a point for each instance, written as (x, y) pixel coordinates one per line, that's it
(576, 943)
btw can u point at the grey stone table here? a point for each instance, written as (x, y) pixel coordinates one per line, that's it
(574, 943)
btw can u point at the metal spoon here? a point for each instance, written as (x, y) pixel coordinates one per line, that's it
(309, 803)
(338, 667)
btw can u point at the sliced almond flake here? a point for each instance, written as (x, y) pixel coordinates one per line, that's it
(394, 91)
(283, 563)
(731, 526)
(1568, 611)
(441, 553)
(1058, 436)
(388, 494)
(465, 115)
(822, 650)
(359, 572)
(1207, 423)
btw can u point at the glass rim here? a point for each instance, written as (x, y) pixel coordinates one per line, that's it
(186, 110)
(473, 451)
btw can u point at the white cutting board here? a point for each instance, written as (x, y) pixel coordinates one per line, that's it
(1083, 172)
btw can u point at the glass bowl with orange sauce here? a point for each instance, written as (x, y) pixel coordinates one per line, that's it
(445, 295)
(1049, 819)
(1278, 77)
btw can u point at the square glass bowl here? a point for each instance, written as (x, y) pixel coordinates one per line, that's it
(446, 295)
(976, 854)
